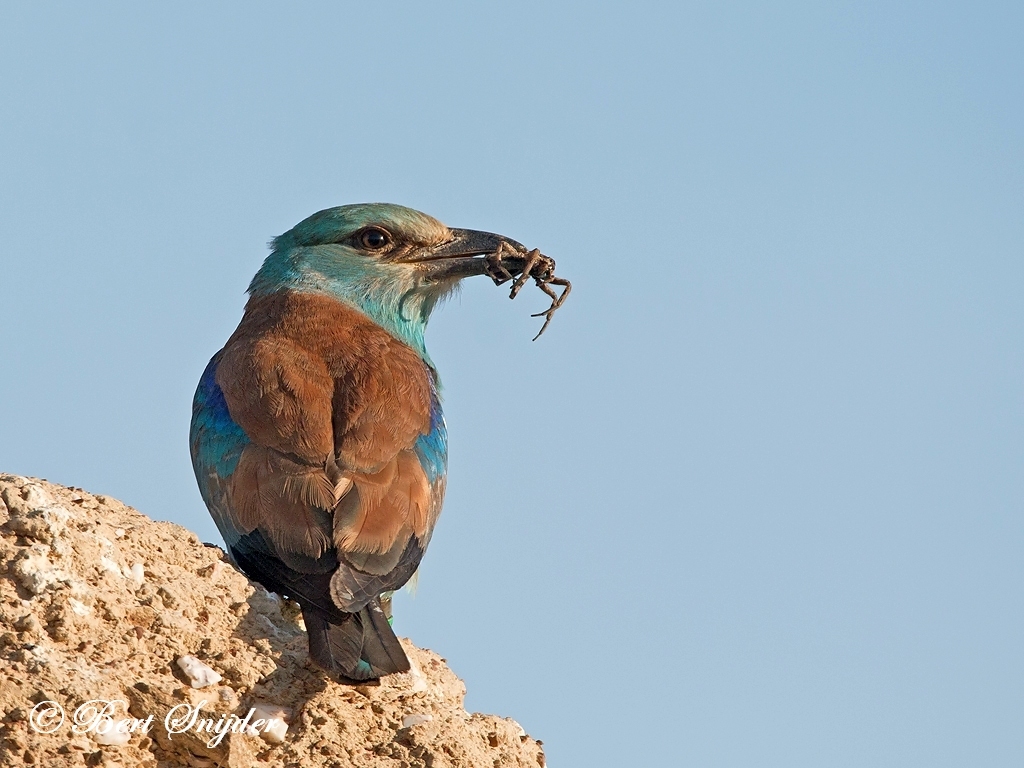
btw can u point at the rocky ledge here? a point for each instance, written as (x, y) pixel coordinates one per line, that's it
(128, 642)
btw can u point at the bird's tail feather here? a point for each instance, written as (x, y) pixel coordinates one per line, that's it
(362, 647)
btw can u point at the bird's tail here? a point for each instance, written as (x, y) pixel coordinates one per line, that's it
(362, 647)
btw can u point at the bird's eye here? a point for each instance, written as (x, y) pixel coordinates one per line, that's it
(374, 239)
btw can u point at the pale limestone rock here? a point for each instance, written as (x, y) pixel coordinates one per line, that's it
(199, 674)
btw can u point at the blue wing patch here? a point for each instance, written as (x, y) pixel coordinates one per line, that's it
(432, 448)
(216, 442)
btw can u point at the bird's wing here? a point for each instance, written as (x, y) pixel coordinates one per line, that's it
(344, 462)
(216, 444)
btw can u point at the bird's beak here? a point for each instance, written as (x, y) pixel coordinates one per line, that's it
(464, 255)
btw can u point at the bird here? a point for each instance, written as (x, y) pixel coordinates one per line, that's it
(317, 434)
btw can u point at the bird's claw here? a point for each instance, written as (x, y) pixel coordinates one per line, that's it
(534, 264)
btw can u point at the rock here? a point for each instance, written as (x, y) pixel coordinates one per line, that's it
(111, 735)
(105, 604)
(418, 719)
(138, 573)
(274, 726)
(199, 674)
(34, 571)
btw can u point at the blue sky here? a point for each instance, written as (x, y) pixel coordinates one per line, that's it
(754, 499)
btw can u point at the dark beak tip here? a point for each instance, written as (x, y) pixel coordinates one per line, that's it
(473, 242)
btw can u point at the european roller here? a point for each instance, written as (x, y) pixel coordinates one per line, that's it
(317, 436)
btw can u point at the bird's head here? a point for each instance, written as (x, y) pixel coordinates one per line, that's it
(391, 262)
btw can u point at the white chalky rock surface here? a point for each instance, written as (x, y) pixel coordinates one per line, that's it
(109, 565)
(415, 719)
(419, 683)
(36, 573)
(275, 728)
(199, 674)
(109, 735)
